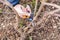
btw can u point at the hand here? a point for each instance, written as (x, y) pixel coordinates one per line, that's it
(22, 11)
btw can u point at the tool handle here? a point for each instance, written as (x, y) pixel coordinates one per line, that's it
(13, 2)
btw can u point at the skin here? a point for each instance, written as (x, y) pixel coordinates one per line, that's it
(22, 11)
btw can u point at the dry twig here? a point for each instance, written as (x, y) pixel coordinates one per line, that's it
(39, 11)
(54, 5)
(46, 14)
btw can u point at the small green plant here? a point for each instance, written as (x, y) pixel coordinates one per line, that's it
(33, 3)
(1, 10)
(21, 23)
(30, 38)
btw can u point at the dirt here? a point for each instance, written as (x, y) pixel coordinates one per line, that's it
(48, 29)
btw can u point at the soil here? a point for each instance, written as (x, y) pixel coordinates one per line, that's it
(48, 29)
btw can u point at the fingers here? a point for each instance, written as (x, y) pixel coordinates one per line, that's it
(28, 9)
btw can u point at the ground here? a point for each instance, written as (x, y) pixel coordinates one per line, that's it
(47, 29)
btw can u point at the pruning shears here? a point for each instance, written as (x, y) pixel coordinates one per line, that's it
(24, 12)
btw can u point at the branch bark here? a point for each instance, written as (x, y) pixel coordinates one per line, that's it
(54, 5)
(48, 13)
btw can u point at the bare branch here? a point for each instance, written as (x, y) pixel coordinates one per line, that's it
(38, 13)
(5, 2)
(54, 5)
(57, 15)
(48, 13)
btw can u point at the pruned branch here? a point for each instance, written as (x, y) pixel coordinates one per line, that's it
(54, 5)
(37, 14)
(48, 13)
